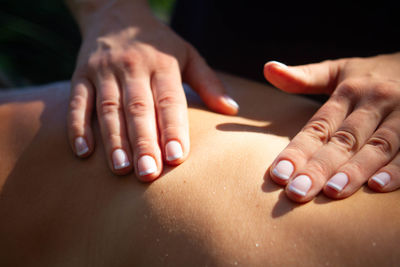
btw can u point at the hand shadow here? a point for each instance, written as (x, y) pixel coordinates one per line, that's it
(284, 205)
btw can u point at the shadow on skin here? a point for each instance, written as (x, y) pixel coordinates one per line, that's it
(284, 205)
(42, 208)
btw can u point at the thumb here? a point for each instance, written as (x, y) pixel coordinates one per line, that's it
(206, 83)
(318, 78)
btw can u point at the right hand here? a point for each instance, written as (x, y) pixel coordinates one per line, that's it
(132, 65)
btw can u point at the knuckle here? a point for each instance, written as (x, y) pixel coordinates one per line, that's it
(136, 106)
(345, 139)
(167, 62)
(130, 60)
(108, 106)
(77, 102)
(167, 100)
(319, 129)
(384, 141)
(142, 144)
(349, 89)
(172, 131)
(382, 91)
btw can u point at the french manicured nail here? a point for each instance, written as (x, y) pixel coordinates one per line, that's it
(283, 169)
(146, 165)
(231, 102)
(173, 150)
(280, 64)
(120, 159)
(382, 178)
(300, 185)
(81, 146)
(338, 181)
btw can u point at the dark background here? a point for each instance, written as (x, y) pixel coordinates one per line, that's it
(39, 40)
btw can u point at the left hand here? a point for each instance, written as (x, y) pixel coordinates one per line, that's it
(353, 138)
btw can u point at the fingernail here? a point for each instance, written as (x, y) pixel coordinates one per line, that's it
(231, 102)
(300, 185)
(338, 181)
(278, 63)
(283, 169)
(120, 159)
(146, 165)
(173, 150)
(382, 178)
(81, 146)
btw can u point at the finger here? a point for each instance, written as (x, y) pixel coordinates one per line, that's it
(142, 128)
(112, 124)
(172, 115)
(206, 83)
(79, 117)
(387, 179)
(316, 133)
(344, 143)
(377, 152)
(318, 78)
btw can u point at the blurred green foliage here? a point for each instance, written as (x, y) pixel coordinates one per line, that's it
(39, 40)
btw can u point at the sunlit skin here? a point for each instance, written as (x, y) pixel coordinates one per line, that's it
(129, 71)
(218, 208)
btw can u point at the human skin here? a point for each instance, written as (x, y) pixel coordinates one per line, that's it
(353, 138)
(131, 66)
(130, 69)
(218, 208)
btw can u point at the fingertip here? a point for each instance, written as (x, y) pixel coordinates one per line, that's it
(81, 147)
(147, 169)
(223, 104)
(298, 189)
(121, 164)
(175, 154)
(282, 171)
(379, 181)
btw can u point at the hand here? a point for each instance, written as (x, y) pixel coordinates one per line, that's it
(355, 135)
(132, 66)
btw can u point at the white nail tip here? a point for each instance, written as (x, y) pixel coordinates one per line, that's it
(173, 150)
(297, 191)
(338, 181)
(278, 63)
(300, 185)
(378, 181)
(283, 169)
(382, 178)
(120, 159)
(280, 175)
(146, 165)
(335, 186)
(81, 146)
(148, 171)
(231, 102)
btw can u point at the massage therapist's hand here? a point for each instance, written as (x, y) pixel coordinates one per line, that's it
(129, 69)
(354, 137)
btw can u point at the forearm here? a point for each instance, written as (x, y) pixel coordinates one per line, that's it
(90, 12)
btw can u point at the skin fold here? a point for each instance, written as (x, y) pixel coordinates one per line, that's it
(218, 208)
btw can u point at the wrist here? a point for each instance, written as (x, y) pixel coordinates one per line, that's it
(92, 15)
